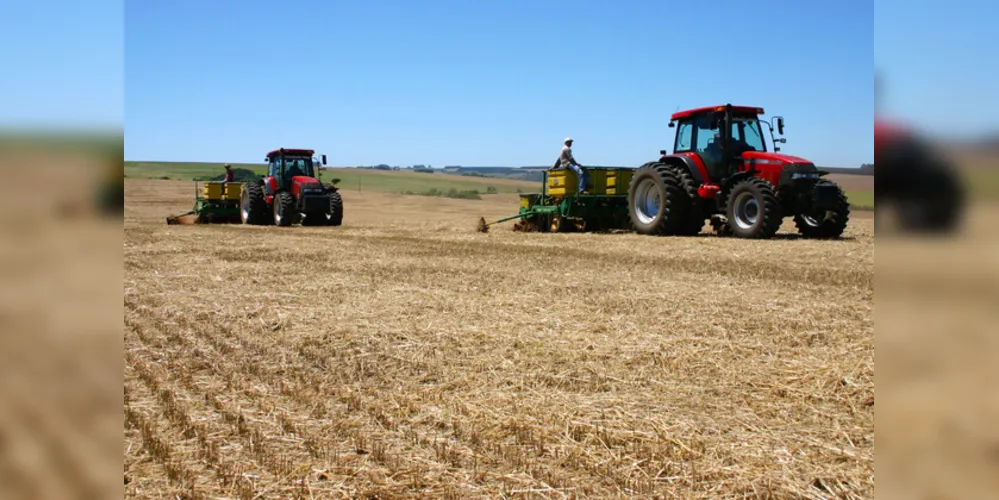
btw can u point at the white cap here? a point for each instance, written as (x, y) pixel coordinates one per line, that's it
(568, 139)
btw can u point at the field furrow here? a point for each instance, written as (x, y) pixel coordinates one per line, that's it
(414, 357)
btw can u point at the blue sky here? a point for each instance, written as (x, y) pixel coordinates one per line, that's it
(486, 83)
(937, 64)
(62, 64)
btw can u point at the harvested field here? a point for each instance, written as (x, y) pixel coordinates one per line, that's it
(853, 182)
(406, 355)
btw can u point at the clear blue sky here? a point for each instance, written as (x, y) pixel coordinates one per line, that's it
(487, 83)
(453, 82)
(62, 64)
(938, 65)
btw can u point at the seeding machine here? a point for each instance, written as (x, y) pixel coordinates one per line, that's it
(719, 171)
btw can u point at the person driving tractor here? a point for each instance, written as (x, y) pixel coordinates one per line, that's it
(715, 149)
(295, 168)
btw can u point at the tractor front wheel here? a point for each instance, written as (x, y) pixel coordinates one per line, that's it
(335, 217)
(284, 209)
(656, 200)
(252, 205)
(753, 209)
(826, 223)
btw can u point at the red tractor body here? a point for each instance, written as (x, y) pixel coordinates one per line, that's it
(291, 192)
(720, 169)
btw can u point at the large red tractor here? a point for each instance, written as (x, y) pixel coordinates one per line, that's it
(917, 180)
(291, 192)
(720, 170)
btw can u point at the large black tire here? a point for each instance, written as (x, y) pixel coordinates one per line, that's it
(694, 221)
(252, 205)
(829, 224)
(936, 205)
(335, 217)
(284, 209)
(753, 210)
(657, 203)
(927, 192)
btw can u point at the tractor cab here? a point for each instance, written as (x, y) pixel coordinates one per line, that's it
(719, 135)
(284, 165)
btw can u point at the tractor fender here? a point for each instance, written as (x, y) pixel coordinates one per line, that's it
(270, 186)
(691, 163)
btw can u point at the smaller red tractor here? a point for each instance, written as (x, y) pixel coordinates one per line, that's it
(720, 170)
(291, 192)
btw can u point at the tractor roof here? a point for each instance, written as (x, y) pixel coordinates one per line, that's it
(292, 152)
(707, 109)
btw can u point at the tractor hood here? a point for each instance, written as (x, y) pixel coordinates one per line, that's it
(772, 158)
(303, 180)
(306, 183)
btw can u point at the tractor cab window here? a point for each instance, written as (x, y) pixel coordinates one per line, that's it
(710, 144)
(297, 166)
(709, 139)
(747, 135)
(684, 137)
(293, 166)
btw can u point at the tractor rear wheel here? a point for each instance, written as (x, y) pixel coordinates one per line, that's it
(656, 201)
(694, 221)
(753, 209)
(284, 209)
(828, 223)
(335, 217)
(252, 205)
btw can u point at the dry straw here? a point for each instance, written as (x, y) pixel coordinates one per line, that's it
(406, 355)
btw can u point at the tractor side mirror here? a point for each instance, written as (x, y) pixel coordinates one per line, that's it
(780, 125)
(324, 159)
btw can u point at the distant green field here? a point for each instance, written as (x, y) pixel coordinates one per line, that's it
(384, 181)
(982, 184)
(861, 200)
(350, 178)
(400, 182)
(182, 171)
